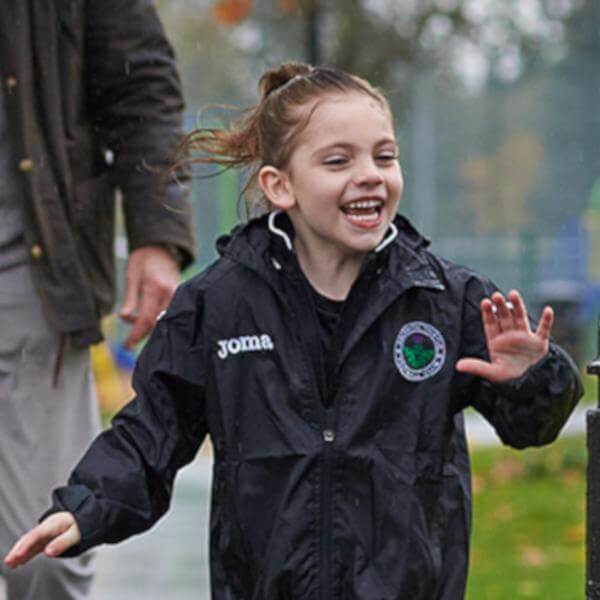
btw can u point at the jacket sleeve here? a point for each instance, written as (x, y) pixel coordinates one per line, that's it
(135, 100)
(529, 410)
(123, 483)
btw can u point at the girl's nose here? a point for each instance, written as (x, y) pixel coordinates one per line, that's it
(369, 175)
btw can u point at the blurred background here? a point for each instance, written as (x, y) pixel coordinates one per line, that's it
(497, 108)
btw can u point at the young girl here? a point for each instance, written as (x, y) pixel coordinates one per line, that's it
(328, 354)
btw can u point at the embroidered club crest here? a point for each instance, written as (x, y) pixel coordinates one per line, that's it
(419, 351)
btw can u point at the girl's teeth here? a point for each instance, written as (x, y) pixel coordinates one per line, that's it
(364, 204)
(370, 217)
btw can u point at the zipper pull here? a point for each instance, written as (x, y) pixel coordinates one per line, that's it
(329, 435)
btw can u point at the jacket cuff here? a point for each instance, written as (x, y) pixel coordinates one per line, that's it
(546, 380)
(535, 379)
(82, 504)
(164, 220)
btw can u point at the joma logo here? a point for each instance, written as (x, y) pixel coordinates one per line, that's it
(244, 343)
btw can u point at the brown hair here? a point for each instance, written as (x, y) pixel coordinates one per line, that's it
(266, 133)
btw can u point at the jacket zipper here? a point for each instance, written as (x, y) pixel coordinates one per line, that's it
(328, 420)
(327, 545)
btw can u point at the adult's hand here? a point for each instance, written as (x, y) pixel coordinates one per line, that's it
(512, 345)
(53, 536)
(151, 279)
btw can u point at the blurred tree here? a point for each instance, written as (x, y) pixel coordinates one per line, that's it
(231, 12)
(473, 41)
(498, 186)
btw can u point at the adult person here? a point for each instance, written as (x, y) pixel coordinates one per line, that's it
(90, 102)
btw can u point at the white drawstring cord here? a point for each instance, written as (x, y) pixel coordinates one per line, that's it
(278, 231)
(389, 239)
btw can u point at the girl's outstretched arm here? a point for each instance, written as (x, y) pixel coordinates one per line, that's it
(53, 536)
(512, 346)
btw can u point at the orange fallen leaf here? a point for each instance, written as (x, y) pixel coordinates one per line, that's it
(533, 556)
(506, 469)
(576, 533)
(504, 512)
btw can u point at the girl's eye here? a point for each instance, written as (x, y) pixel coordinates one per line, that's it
(335, 161)
(387, 157)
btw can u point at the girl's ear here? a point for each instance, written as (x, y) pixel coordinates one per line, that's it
(277, 187)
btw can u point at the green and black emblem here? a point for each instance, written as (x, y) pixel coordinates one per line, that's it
(419, 351)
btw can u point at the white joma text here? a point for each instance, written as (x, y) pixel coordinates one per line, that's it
(244, 343)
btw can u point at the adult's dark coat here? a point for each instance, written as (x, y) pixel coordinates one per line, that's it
(82, 77)
(359, 490)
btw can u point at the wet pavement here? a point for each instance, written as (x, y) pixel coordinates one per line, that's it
(171, 560)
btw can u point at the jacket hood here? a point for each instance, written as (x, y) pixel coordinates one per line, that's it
(247, 243)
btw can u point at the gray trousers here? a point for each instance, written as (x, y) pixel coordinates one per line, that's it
(45, 427)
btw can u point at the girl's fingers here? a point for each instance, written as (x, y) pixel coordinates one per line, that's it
(64, 541)
(519, 311)
(503, 312)
(36, 540)
(475, 366)
(491, 328)
(26, 548)
(545, 325)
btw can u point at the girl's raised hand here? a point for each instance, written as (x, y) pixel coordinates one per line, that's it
(512, 346)
(53, 536)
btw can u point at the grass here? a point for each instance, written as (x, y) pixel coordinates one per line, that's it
(528, 523)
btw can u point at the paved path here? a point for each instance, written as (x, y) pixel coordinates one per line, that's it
(171, 560)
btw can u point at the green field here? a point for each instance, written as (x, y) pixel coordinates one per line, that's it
(528, 523)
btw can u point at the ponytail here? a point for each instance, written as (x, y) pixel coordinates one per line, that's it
(265, 133)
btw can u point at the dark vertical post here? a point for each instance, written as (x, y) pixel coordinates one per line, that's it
(592, 586)
(313, 43)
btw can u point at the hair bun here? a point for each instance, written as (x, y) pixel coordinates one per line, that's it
(274, 79)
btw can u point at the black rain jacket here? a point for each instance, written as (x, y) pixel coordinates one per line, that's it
(355, 490)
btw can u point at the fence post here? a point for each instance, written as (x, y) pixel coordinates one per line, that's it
(593, 490)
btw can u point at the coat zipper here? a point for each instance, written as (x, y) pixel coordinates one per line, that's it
(328, 420)
(327, 545)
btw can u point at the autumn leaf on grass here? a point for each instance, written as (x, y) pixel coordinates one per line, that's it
(529, 588)
(533, 556)
(504, 512)
(477, 484)
(572, 477)
(506, 470)
(576, 533)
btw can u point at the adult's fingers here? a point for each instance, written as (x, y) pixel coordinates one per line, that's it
(544, 327)
(133, 282)
(152, 301)
(519, 311)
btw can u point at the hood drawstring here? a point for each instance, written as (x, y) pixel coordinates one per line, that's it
(389, 239)
(286, 238)
(280, 232)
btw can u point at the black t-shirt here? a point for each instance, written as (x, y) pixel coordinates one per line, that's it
(328, 312)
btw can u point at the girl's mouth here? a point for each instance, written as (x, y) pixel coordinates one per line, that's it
(363, 213)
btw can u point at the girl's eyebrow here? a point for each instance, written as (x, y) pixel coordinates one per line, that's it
(350, 146)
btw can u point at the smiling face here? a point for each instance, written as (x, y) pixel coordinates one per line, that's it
(342, 184)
